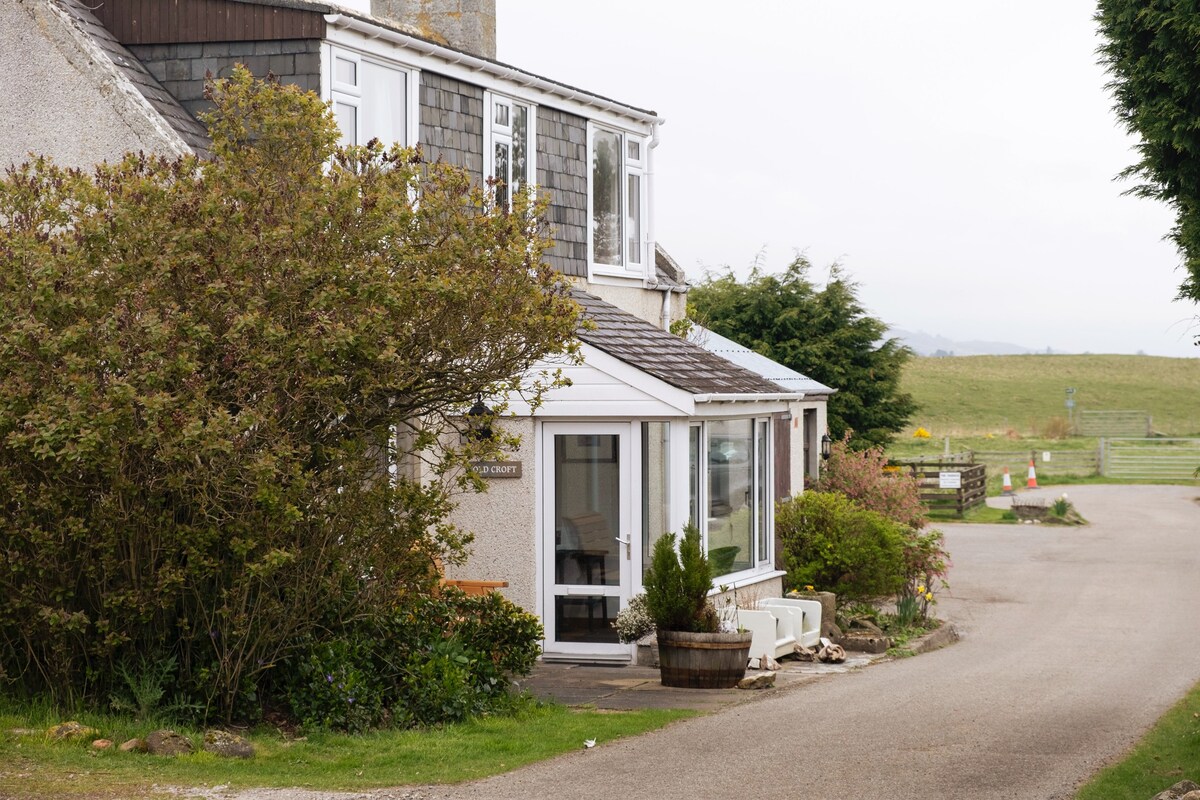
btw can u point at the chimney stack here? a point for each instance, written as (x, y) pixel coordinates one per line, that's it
(468, 25)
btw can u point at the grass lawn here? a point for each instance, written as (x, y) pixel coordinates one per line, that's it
(31, 767)
(1169, 753)
(977, 395)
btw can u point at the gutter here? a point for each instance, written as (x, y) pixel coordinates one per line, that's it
(493, 68)
(746, 398)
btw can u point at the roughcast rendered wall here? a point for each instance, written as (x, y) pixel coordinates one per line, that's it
(64, 98)
(502, 519)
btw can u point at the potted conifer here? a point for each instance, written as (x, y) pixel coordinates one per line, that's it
(692, 650)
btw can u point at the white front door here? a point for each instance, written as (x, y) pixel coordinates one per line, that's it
(588, 544)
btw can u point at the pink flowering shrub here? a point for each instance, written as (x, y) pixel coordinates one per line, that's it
(863, 476)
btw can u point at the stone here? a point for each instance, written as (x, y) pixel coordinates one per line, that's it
(1179, 791)
(863, 624)
(69, 731)
(134, 745)
(832, 654)
(763, 680)
(1193, 795)
(227, 745)
(754, 663)
(167, 743)
(769, 663)
(865, 642)
(805, 653)
(102, 744)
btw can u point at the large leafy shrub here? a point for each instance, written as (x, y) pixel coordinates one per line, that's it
(207, 368)
(835, 545)
(428, 660)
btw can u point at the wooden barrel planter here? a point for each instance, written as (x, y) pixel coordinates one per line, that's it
(702, 660)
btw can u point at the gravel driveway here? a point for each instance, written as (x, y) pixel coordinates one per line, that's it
(1074, 641)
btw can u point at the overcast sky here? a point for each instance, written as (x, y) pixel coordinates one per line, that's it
(956, 157)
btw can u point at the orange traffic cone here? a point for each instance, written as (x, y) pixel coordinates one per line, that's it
(1032, 482)
(1008, 490)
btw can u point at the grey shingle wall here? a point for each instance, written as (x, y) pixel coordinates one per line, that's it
(562, 171)
(452, 122)
(181, 68)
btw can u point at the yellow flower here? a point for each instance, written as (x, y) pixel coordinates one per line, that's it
(808, 587)
(929, 596)
(921, 589)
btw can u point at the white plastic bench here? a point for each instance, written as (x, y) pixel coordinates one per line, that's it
(806, 617)
(773, 633)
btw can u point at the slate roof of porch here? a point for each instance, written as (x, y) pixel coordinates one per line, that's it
(664, 355)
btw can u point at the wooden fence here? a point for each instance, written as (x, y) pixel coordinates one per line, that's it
(1114, 423)
(1121, 458)
(970, 492)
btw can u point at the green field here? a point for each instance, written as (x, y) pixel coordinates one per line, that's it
(1017, 397)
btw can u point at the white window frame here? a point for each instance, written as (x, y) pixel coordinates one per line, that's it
(762, 562)
(335, 91)
(628, 167)
(496, 133)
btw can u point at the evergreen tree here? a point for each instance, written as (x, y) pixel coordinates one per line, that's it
(1150, 50)
(824, 333)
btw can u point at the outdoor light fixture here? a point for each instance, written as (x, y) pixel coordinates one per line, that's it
(478, 429)
(826, 446)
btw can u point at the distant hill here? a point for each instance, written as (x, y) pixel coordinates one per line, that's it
(977, 395)
(927, 344)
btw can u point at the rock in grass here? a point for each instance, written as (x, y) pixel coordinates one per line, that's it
(70, 731)
(167, 743)
(1178, 792)
(102, 744)
(132, 746)
(227, 745)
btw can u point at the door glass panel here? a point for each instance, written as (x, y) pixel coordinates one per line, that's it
(587, 512)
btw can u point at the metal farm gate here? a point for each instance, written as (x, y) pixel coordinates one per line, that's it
(1150, 459)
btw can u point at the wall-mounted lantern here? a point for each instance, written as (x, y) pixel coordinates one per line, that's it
(478, 417)
(826, 446)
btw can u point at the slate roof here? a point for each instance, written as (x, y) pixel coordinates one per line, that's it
(759, 364)
(664, 355)
(183, 123)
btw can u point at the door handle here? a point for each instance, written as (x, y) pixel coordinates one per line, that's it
(628, 546)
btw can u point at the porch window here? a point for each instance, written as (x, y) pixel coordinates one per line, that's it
(509, 150)
(617, 187)
(729, 466)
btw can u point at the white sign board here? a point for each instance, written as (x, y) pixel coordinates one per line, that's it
(1045, 455)
(949, 480)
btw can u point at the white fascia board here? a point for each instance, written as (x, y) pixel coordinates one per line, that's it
(662, 399)
(747, 407)
(354, 32)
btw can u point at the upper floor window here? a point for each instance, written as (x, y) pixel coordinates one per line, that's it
(370, 98)
(510, 146)
(617, 194)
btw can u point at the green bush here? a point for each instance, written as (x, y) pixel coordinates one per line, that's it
(429, 660)
(833, 544)
(202, 366)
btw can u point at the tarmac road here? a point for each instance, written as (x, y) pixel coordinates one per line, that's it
(1074, 641)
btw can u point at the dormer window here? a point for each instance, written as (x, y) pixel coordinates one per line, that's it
(370, 98)
(617, 199)
(509, 151)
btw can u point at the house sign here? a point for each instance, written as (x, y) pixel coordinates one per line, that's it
(498, 469)
(949, 480)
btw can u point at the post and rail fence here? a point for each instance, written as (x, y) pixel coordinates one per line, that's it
(1121, 458)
